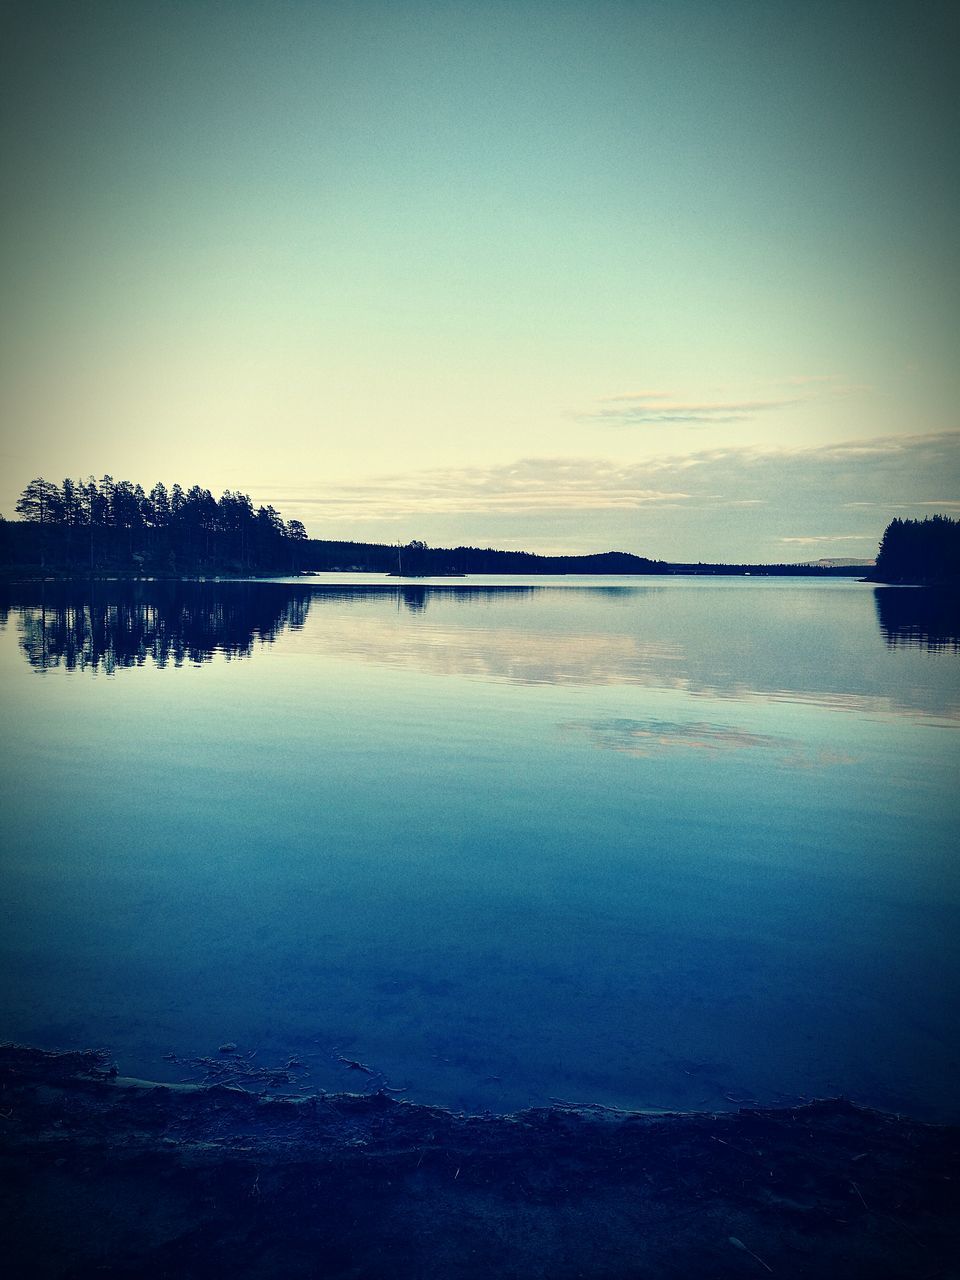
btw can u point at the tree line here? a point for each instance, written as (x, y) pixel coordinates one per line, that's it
(116, 524)
(418, 560)
(919, 552)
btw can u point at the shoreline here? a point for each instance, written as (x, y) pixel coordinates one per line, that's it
(118, 1176)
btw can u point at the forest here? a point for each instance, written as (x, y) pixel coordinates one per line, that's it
(919, 552)
(116, 526)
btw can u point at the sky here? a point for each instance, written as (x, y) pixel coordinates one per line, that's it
(677, 278)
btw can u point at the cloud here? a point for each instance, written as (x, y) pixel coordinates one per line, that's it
(656, 407)
(734, 504)
(710, 478)
(528, 486)
(638, 408)
(831, 537)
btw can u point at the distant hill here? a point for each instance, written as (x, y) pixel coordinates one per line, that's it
(417, 560)
(837, 562)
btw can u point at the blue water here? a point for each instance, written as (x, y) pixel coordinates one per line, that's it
(648, 843)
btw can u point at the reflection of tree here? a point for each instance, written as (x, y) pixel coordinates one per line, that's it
(109, 625)
(415, 598)
(918, 616)
(95, 625)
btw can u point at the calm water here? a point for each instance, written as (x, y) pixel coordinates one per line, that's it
(637, 842)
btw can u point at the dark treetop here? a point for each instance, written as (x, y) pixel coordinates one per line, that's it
(925, 552)
(114, 525)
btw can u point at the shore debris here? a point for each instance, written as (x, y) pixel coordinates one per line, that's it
(236, 1069)
(738, 1244)
(358, 1183)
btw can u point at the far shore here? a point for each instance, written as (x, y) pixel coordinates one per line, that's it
(31, 573)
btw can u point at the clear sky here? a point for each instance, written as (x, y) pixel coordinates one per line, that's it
(677, 278)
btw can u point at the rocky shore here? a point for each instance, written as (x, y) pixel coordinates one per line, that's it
(111, 1177)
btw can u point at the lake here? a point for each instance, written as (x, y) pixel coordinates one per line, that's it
(641, 842)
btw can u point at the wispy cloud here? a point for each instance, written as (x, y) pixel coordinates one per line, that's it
(637, 408)
(528, 486)
(811, 539)
(719, 503)
(657, 406)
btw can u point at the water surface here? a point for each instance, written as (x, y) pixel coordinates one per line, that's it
(642, 842)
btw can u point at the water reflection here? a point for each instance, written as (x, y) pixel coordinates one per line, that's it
(654, 737)
(107, 626)
(920, 617)
(624, 826)
(797, 643)
(416, 598)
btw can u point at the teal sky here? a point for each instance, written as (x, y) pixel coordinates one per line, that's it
(674, 278)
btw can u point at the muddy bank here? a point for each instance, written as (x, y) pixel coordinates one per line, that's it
(104, 1176)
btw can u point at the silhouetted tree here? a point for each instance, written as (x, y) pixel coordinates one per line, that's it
(40, 501)
(297, 536)
(71, 498)
(919, 551)
(180, 531)
(159, 508)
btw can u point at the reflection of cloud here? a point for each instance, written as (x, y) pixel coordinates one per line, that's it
(504, 653)
(650, 737)
(506, 638)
